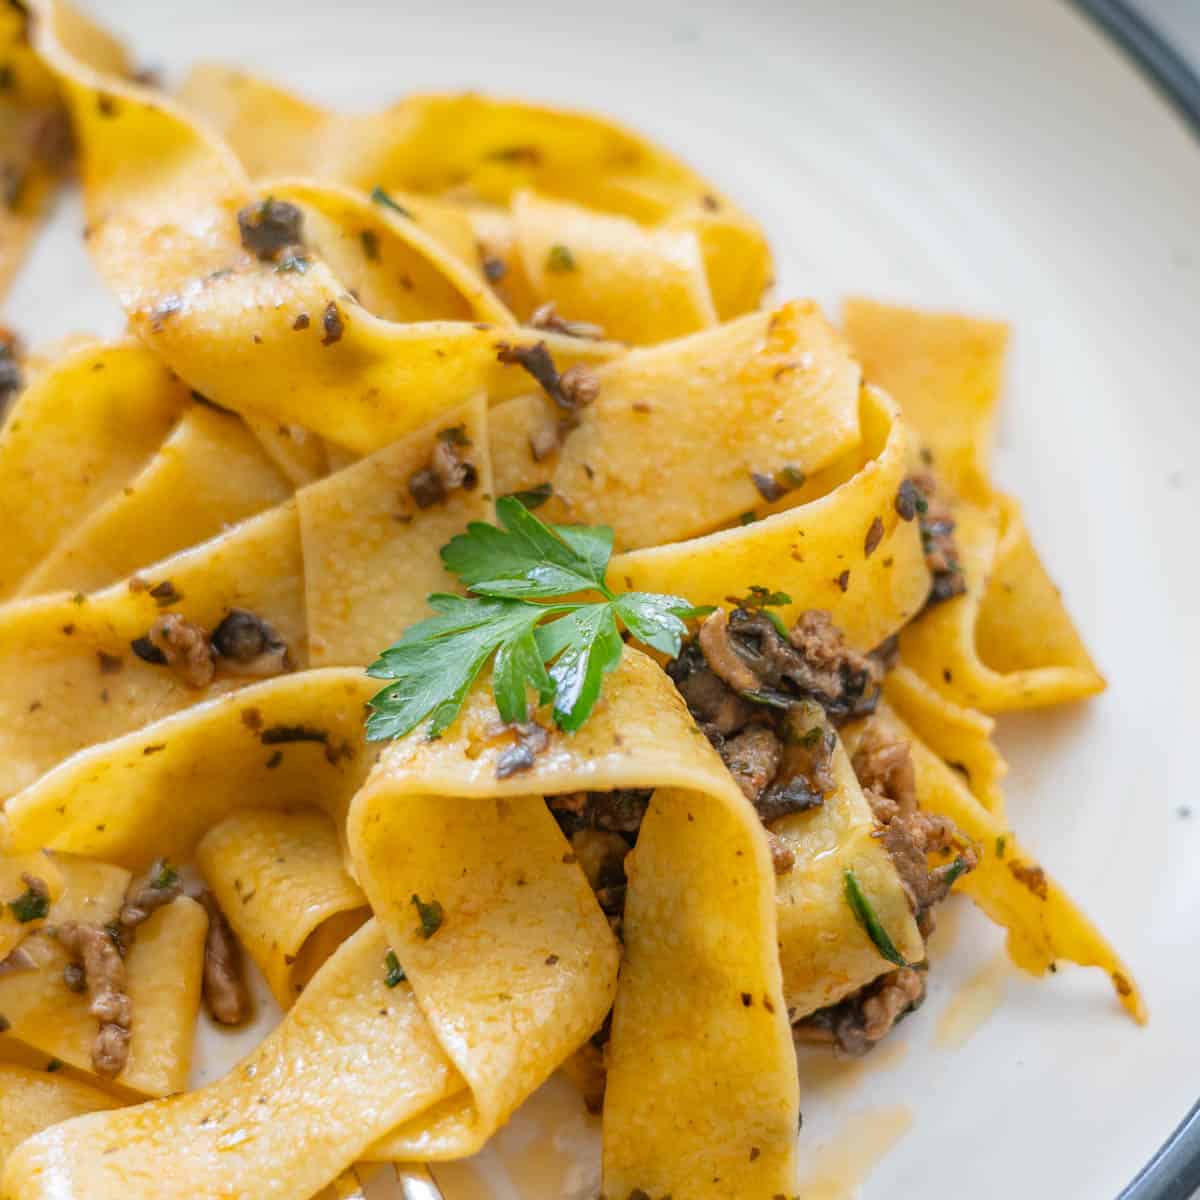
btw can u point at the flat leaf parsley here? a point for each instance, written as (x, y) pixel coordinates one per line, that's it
(528, 582)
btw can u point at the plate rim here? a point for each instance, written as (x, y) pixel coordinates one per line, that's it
(1173, 1172)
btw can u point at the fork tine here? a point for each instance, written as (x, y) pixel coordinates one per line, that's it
(417, 1182)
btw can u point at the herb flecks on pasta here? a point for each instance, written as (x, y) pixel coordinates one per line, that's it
(670, 878)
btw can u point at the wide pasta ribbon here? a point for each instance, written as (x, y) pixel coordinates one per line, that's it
(162, 968)
(88, 423)
(61, 650)
(820, 553)
(1044, 925)
(34, 140)
(280, 878)
(374, 1075)
(699, 1076)
(678, 434)
(209, 474)
(292, 742)
(484, 150)
(163, 196)
(1009, 643)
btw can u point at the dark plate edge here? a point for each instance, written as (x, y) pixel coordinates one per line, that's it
(1160, 63)
(1174, 1171)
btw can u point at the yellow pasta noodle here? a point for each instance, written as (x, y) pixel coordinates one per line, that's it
(1010, 642)
(960, 736)
(1043, 924)
(73, 678)
(32, 1100)
(351, 1059)
(79, 432)
(16, 870)
(35, 143)
(300, 454)
(279, 879)
(486, 149)
(803, 551)
(220, 316)
(163, 970)
(677, 433)
(945, 371)
(291, 742)
(639, 286)
(1038, 656)
(397, 269)
(370, 551)
(700, 840)
(210, 473)
(824, 952)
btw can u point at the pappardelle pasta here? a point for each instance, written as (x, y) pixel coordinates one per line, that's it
(467, 600)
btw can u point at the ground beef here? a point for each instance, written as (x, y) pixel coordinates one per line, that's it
(619, 811)
(447, 472)
(844, 682)
(764, 698)
(937, 540)
(860, 1021)
(753, 757)
(96, 952)
(270, 227)
(884, 768)
(156, 889)
(224, 986)
(185, 648)
(805, 775)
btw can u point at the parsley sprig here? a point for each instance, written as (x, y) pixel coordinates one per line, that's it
(528, 608)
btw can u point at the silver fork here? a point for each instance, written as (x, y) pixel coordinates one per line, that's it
(417, 1183)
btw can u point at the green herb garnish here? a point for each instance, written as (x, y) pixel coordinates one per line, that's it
(1001, 843)
(747, 518)
(534, 497)
(395, 972)
(812, 737)
(761, 597)
(32, 904)
(560, 258)
(431, 914)
(379, 196)
(55, 1064)
(863, 910)
(510, 568)
(957, 868)
(165, 877)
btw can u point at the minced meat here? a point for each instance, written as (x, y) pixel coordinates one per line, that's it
(860, 1021)
(884, 768)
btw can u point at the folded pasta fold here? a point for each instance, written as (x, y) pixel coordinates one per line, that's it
(700, 913)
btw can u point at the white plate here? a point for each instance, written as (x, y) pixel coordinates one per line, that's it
(999, 158)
